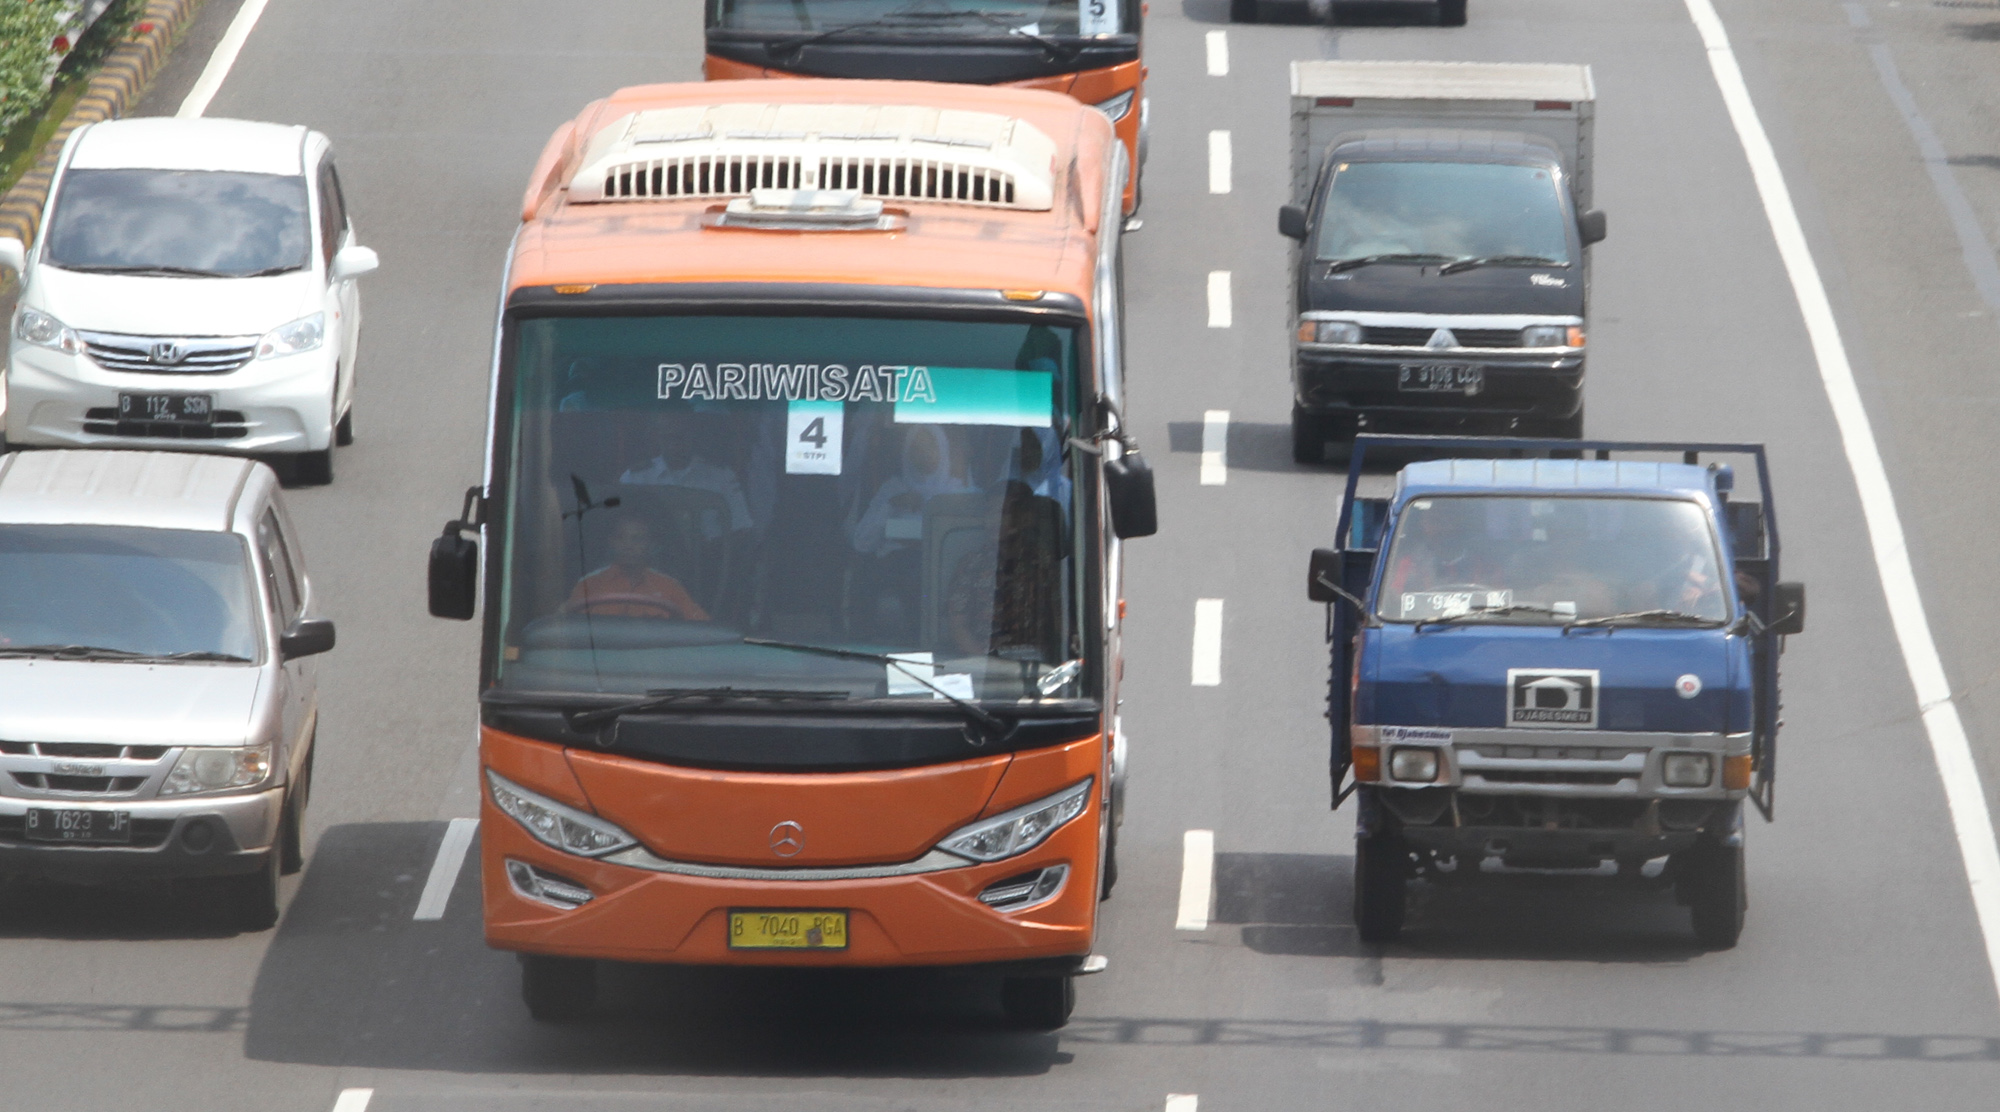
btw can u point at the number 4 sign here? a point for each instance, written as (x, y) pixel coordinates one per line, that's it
(812, 438)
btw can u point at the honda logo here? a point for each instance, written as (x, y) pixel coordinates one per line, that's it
(1552, 698)
(788, 838)
(167, 353)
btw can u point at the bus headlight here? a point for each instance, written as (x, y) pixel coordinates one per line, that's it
(1116, 108)
(1687, 770)
(555, 825)
(1021, 829)
(1416, 766)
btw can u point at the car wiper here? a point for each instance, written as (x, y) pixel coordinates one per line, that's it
(1666, 617)
(102, 652)
(1359, 261)
(593, 717)
(268, 271)
(1483, 612)
(148, 270)
(1471, 261)
(974, 713)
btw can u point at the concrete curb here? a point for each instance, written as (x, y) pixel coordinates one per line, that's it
(115, 86)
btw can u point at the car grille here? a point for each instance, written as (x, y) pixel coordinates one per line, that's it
(50, 782)
(106, 781)
(187, 355)
(1418, 337)
(228, 424)
(146, 833)
(89, 751)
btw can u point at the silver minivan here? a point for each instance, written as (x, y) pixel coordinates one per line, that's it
(157, 677)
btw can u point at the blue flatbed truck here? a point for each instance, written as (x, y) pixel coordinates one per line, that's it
(1555, 655)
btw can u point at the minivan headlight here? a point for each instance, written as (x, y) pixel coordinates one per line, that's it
(1021, 829)
(212, 769)
(555, 825)
(43, 330)
(303, 334)
(1115, 108)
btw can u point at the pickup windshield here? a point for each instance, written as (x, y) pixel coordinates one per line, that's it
(678, 484)
(897, 18)
(199, 223)
(1540, 561)
(1448, 210)
(103, 592)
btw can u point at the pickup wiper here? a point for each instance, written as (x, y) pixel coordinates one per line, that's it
(1359, 261)
(975, 714)
(101, 652)
(147, 269)
(591, 718)
(1483, 612)
(1471, 261)
(1664, 617)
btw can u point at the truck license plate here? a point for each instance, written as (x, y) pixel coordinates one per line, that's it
(79, 827)
(787, 929)
(1440, 378)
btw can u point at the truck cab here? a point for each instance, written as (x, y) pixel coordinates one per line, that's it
(1555, 663)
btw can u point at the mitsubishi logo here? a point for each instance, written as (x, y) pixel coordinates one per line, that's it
(167, 352)
(1442, 338)
(788, 838)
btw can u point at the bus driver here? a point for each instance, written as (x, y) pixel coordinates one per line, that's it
(627, 587)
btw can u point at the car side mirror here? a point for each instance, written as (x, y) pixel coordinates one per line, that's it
(306, 637)
(353, 262)
(1323, 571)
(1788, 608)
(1590, 226)
(1292, 222)
(13, 254)
(454, 575)
(1128, 483)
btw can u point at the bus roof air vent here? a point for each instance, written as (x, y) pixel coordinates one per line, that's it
(896, 152)
(808, 210)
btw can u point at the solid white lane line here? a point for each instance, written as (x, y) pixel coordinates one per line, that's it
(1207, 642)
(1218, 299)
(444, 870)
(1215, 448)
(1218, 54)
(1183, 1102)
(1197, 885)
(353, 1100)
(1218, 162)
(212, 75)
(1964, 795)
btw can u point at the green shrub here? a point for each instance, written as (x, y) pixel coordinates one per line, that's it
(27, 28)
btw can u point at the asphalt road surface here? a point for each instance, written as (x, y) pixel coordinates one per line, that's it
(1861, 980)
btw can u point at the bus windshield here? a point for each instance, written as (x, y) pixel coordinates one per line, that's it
(956, 18)
(677, 484)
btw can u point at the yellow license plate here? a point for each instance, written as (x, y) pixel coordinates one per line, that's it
(787, 929)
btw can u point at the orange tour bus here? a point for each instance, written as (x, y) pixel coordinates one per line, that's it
(799, 539)
(1086, 48)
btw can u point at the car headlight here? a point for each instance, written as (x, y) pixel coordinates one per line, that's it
(1552, 336)
(1417, 766)
(303, 334)
(205, 769)
(1329, 332)
(1687, 770)
(555, 825)
(1116, 108)
(1021, 829)
(43, 330)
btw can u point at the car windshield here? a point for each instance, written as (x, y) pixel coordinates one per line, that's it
(882, 486)
(179, 222)
(958, 18)
(1457, 210)
(1552, 560)
(126, 590)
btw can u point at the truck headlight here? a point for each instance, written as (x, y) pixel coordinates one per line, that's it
(1687, 770)
(1116, 108)
(303, 334)
(1416, 766)
(1021, 829)
(43, 330)
(205, 769)
(1329, 332)
(1551, 336)
(555, 825)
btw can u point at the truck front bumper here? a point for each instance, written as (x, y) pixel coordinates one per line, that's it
(1517, 391)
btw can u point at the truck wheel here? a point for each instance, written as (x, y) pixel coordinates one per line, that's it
(1038, 1003)
(1451, 13)
(1381, 882)
(1568, 428)
(1711, 881)
(1242, 11)
(1309, 435)
(557, 990)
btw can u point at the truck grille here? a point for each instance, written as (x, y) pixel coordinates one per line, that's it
(229, 424)
(169, 354)
(1418, 337)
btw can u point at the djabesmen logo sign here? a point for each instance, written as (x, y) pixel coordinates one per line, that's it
(1552, 698)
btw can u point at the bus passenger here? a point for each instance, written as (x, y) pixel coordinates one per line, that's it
(678, 465)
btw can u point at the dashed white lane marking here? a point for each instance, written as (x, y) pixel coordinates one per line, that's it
(1183, 1102)
(1197, 885)
(1218, 54)
(1218, 162)
(1215, 448)
(1964, 795)
(219, 62)
(1218, 299)
(356, 1100)
(444, 870)
(1207, 642)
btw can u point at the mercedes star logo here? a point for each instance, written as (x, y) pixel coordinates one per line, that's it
(787, 839)
(167, 352)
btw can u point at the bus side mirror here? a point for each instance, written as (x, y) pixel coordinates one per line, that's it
(454, 575)
(1292, 222)
(1322, 572)
(1590, 227)
(1128, 482)
(1788, 608)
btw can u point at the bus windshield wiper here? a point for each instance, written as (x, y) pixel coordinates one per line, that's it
(1471, 261)
(974, 713)
(912, 16)
(588, 719)
(1055, 50)
(1664, 617)
(1483, 612)
(1359, 261)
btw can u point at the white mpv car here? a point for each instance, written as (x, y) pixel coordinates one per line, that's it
(192, 287)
